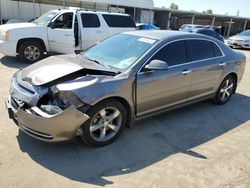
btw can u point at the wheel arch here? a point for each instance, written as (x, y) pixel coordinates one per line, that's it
(21, 41)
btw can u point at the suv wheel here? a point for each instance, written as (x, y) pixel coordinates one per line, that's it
(31, 51)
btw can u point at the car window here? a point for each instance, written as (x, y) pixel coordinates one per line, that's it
(245, 33)
(199, 49)
(90, 20)
(64, 21)
(173, 53)
(120, 51)
(217, 51)
(119, 21)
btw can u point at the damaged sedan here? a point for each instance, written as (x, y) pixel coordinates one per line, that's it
(127, 77)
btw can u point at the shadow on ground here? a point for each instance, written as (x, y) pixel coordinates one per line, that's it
(146, 143)
(13, 62)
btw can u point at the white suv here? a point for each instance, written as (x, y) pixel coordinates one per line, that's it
(61, 31)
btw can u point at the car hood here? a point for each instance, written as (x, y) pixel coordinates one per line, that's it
(238, 37)
(59, 67)
(11, 26)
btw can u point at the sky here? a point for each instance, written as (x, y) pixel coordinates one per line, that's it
(218, 6)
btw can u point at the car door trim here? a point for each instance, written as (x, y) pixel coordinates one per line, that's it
(187, 63)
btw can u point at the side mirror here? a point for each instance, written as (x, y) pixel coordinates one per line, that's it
(52, 25)
(156, 65)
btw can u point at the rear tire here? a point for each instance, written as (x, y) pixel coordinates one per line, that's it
(31, 51)
(225, 90)
(106, 122)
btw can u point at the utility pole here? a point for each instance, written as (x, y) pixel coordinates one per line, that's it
(1, 22)
(34, 8)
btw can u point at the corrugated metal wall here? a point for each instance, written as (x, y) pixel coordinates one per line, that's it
(25, 10)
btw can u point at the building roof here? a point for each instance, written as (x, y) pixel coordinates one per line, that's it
(199, 13)
(147, 4)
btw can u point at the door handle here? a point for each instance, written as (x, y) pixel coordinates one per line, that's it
(67, 35)
(222, 64)
(185, 72)
(98, 31)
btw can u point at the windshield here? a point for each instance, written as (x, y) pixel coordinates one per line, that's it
(45, 18)
(119, 51)
(245, 33)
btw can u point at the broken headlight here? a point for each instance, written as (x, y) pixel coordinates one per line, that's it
(69, 98)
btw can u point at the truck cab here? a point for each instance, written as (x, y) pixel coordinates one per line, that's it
(61, 31)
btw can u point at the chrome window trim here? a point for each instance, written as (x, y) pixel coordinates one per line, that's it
(187, 63)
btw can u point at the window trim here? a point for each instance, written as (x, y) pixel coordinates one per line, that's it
(188, 62)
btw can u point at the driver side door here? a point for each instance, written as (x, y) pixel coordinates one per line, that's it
(61, 34)
(159, 89)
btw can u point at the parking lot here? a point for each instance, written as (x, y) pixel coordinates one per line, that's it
(203, 145)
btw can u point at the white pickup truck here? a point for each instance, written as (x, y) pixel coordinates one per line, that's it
(61, 31)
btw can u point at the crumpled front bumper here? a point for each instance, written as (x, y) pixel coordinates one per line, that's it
(60, 127)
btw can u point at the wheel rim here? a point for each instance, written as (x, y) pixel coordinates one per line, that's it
(32, 53)
(105, 124)
(226, 89)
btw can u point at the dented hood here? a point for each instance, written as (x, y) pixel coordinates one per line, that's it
(56, 67)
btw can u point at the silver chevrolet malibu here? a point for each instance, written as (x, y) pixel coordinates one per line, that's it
(127, 77)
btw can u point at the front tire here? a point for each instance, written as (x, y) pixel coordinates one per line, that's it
(225, 90)
(106, 122)
(31, 51)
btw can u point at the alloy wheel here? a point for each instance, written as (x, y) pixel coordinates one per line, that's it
(105, 124)
(226, 89)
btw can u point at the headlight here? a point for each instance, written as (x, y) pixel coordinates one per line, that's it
(5, 35)
(69, 98)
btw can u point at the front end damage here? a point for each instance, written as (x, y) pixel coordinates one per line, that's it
(45, 112)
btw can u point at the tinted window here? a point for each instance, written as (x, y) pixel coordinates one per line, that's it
(217, 51)
(90, 20)
(173, 54)
(200, 49)
(119, 21)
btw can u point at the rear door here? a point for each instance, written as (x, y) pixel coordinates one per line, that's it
(165, 88)
(61, 34)
(92, 29)
(206, 65)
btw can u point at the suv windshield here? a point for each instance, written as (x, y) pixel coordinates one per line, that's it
(119, 51)
(45, 18)
(245, 33)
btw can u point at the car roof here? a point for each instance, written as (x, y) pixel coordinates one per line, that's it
(192, 25)
(92, 11)
(162, 34)
(205, 29)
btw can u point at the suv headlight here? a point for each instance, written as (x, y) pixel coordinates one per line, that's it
(5, 35)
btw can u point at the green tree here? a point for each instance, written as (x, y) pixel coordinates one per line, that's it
(174, 6)
(209, 11)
